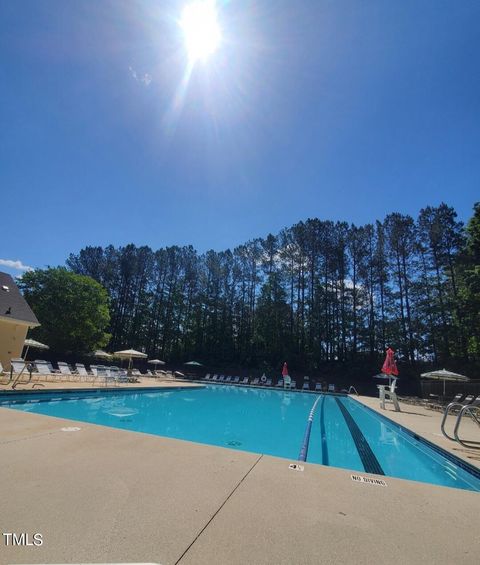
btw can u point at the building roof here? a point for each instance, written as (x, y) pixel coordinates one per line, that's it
(12, 304)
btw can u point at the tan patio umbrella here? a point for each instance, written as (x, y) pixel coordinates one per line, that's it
(444, 375)
(33, 343)
(130, 354)
(155, 362)
(101, 354)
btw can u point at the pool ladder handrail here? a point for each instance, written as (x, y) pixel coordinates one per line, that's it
(17, 382)
(468, 409)
(462, 406)
(354, 390)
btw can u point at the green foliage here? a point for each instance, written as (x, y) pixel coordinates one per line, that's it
(72, 309)
(469, 295)
(318, 292)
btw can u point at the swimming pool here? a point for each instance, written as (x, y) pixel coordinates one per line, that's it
(344, 433)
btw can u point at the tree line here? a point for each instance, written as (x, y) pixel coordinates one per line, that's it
(317, 291)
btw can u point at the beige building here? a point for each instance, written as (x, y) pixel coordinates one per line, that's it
(16, 317)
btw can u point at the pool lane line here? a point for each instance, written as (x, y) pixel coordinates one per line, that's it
(218, 510)
(302, 456)
(323, 433)
(369, 461)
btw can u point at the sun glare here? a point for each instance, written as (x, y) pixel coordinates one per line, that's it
(200, 28)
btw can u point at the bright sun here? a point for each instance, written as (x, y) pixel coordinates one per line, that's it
(200, 28)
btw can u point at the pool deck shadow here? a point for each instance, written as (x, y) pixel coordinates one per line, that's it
(108, 495)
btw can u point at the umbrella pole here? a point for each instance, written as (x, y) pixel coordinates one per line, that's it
(443, 387)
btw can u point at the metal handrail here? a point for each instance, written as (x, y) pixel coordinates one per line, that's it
(354, 389)
(465, 410)
(17, 382)
(445, 414)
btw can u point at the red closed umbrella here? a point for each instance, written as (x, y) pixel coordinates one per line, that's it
(389, 366)
(285, 370)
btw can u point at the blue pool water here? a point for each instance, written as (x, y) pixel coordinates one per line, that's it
(344, 433)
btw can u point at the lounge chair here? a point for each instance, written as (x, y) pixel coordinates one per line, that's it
(435, 402)
(306, 383)
(331, 388)
(236, 379)
(120, 375)
(221, 378)
(268, 382)
(82, 372)
(19, 366)
(244, 381)
(215, 378)
(279, 383)
(105, 374)
(46, 370)
(228, 379)
(318, 386)
(255, 381)
(293, 384)
(207, 377)
(65, 371)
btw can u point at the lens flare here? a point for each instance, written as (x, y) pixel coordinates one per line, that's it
(201, 31)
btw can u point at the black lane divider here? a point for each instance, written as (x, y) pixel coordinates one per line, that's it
(370, 462)
(323, 433)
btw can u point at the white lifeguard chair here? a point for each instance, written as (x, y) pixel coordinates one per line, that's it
(387, 393)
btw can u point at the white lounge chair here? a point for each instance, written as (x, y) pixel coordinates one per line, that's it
(46, 370)
(331, 388)
(215, 378)
(255, 381)
(82, 372)
(105, 374)
(244, 381)
(318, 386)
(207, 377)
(236, 379)
(228, 379)
(66, 372)
(306, 383)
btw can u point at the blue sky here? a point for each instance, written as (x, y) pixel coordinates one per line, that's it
(342, 110)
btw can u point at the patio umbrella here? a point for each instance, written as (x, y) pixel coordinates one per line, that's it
(156, 362)
(195, 363)
(285, 370)
(444, 375)
(389, 366)
(101, 354)
(35, 344)
(130, 354)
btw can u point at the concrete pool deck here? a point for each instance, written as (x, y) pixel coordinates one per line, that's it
(144, 382)
(103, 495)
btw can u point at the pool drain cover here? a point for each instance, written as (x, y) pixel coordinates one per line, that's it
(234, 443)
(71, 429)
